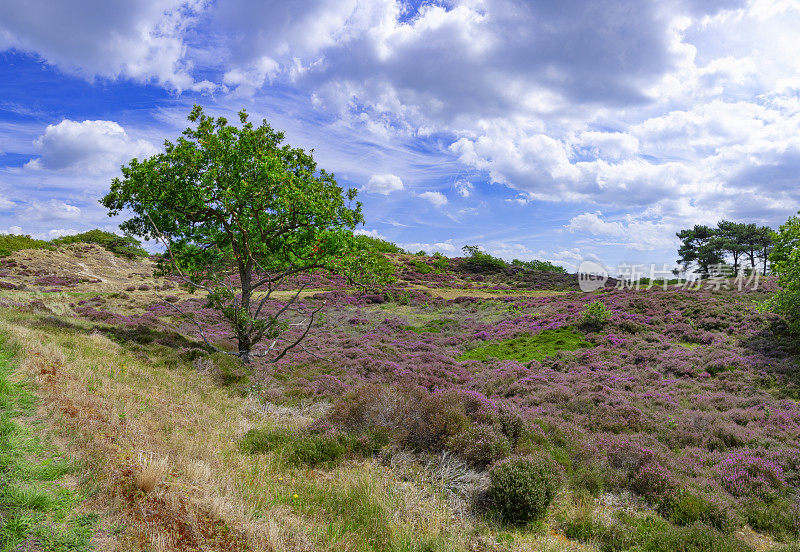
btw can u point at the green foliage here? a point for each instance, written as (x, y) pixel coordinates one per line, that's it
(530, 347)
(595, 315)
(378, 245)
(124, 246)
(480, 445)
(785, 259)
(310, 449)
(523, 487)
(700, 245)
(14, 242)
(685, 507)
(478, 261)
(36, 512)
(237, 200)
(542, 266)
(706, 246)
(780, 518)
(649, 533)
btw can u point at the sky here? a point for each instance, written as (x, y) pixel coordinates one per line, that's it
(558, 130)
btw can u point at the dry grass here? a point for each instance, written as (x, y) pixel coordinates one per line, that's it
(151, 471)
(209, 495)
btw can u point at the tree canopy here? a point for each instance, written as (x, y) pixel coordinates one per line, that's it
(708, 248)
(785, 259)
(239, 213)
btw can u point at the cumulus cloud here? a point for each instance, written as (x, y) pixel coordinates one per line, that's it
(138, 39)
(632, 233)
(87, 146)
(437, 199)
(50, 210)
(445, 247)
(383, 184)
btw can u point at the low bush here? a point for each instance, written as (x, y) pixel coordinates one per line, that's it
(478, 261)
(780, 518)
(480, 445)
(14, 242)
(464, 423)
(523, 487)
(595, 315)
(649, 534)
(311, 448)
(123, 246)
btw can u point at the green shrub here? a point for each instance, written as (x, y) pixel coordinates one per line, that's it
(480, 445)
(523, 487)
(780, 517)
(686, 508)
(595, 315)
(650, 533)
(478, 261)
(14, 242)
(311, 449)
(540, 266)
(378, 245)
(124, 246)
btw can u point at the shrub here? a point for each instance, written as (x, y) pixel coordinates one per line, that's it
(15, 242)
(123, 246)
(686, 507)
(312, 447)
(523, 487)
(595, 315)
(780, 518)
(747, 475)
(480, 445)
(378, 245)
(479, 261)
(539, 266)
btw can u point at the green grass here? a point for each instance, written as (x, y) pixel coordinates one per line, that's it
(530, 347)
(36, 511)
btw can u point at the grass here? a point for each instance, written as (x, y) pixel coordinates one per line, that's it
(36, 510)
(118, 406)
(530, 347)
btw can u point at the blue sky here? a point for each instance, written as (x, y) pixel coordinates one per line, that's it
(552, 130)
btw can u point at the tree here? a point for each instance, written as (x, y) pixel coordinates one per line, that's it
(785, 259)
(240, 213)
(764, 242)
(732, 240)
(700, 245)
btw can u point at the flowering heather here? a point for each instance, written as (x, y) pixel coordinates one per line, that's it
(679, 389)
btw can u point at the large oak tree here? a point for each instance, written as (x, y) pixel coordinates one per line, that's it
(240, 213)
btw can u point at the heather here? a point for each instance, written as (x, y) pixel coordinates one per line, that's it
(677, 406)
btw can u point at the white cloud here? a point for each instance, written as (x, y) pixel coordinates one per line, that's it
(370, 233)
(445, 248)
(50, 210)
(138, 39)
(87, 146)
(591, 223)
(464, 188)
(383, 184)
(437, 199)
(5, 203)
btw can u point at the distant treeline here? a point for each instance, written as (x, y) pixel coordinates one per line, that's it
(124, 246)
(727, 247)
